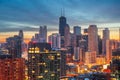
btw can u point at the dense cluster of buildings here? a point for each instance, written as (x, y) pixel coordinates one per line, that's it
(61, 55)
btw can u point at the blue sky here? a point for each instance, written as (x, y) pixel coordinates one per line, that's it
(29, 14)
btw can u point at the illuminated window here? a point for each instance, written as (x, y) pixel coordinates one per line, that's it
(46, 71)
(33, 56)
(52, 74)
(40, 76)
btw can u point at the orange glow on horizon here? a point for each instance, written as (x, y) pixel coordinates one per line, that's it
(27, 35)
(114, 35)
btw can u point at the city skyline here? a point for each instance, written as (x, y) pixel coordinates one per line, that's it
(59, 39)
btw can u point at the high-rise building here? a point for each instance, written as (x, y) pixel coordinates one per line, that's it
(73, 40)
(67, 36)
(62, 62)
(106, 36)
(21, 34)
(108, 51)
(55, 40)
(62, 24)
(76, 53)
(43, 34)
(14, 46)
(93, 38)
(11, 68)
(77, 30)
(90, 57)
(43, 65)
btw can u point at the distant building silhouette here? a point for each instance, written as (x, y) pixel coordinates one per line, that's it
(14, 46)
(67, 36)
(77, 30)
(21, 34)
(62, 24)
(55, 40)
(106, 36)
(93, 38)
(43, 34)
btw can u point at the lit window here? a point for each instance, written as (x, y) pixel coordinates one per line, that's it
(52, 74)
(46, 71)
(40, 76)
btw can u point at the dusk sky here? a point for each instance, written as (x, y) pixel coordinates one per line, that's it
(29, 14)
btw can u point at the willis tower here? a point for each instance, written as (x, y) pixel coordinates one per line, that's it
(62, 24)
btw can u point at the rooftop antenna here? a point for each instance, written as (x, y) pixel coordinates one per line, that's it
(63, 11)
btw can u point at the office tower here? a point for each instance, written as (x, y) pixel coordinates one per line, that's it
(43, 64)
(114, 44)
(63, 63)
(43, 34)
(108, 51)
(78, 38)
(93, 38)
(67, 36)
(90, 57)
(11, 68)
(37, 37)
(14, 46)
(84, 41)
(83, 48)
(76, 53)
(106, 36)
(62, 24)
(77, 30)
(73, 40)
(21, 34)
(100, 45)
(55, 40)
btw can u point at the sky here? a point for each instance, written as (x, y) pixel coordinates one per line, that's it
(30, 14)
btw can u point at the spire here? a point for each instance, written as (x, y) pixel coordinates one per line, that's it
(62, 12)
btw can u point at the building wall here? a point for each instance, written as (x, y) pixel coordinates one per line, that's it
(12, 69)
(90, 57)
(93, 38)
(43, 65)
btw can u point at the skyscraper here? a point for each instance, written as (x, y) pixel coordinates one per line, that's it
(93, 38)
(43, 34)
(14, 46)
(67, 36)
(76, 53)
(106, 36)
(55, 40)
(77, 30)
(62, 24)
(43, 64)
(21, 34)
(108, 51)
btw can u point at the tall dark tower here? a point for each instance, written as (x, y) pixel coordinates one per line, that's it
(21, 34)
(62, 24)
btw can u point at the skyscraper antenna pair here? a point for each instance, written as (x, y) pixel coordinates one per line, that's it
(62, 12)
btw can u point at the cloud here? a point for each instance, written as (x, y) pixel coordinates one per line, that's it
(19, 14)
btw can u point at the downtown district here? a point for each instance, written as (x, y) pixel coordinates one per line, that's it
(65, 56)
